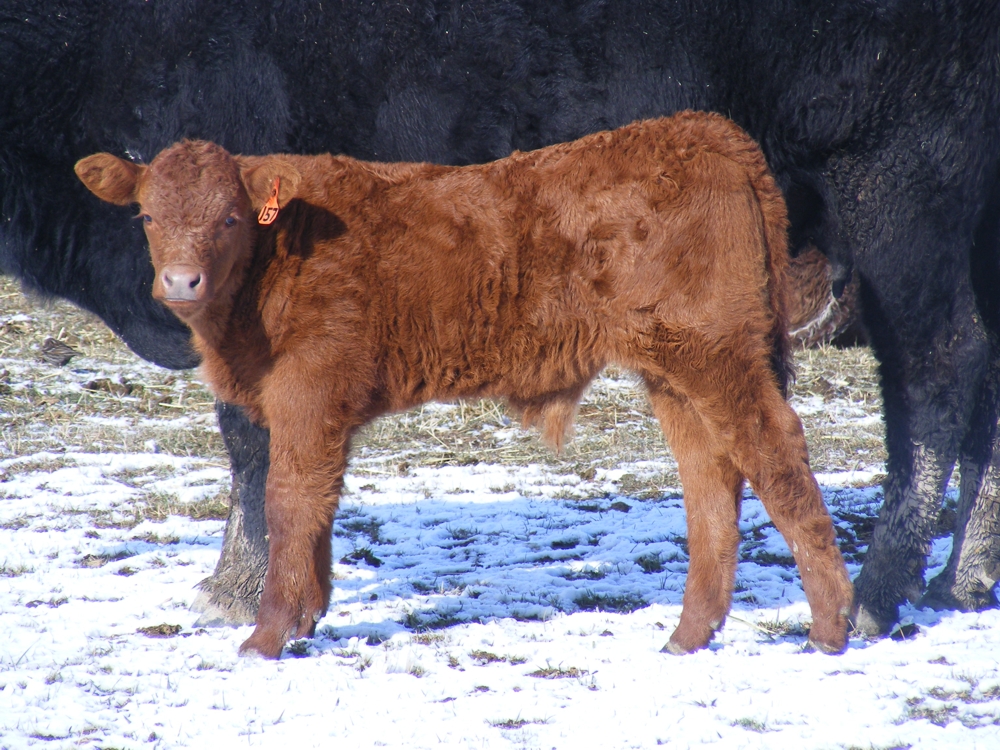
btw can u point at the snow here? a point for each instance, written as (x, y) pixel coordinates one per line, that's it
(459, 619)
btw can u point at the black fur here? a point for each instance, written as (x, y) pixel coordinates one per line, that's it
(880, 118)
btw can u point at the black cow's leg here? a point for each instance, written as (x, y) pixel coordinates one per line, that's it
(893, 570)
(934, 353)
(933, 363)
(973, 569)
(231, 595)
(967, 581)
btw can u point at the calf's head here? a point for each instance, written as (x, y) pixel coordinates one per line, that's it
(198, 206)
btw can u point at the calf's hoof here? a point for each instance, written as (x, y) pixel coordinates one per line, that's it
(687, 640)
(264, 643)
(828, 632)
(833, 645)
(268, 641)
(673, 648)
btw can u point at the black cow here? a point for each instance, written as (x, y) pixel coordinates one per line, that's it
(881, 121)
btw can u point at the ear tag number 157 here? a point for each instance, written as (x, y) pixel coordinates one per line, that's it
(269, 211)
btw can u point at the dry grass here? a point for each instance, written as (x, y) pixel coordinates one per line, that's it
(106, 399)
(842, 421)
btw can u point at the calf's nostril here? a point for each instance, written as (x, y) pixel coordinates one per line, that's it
(182, 284)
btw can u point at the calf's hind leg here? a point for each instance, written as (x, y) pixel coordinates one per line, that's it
(740, 405)
(712, 493)
(775, 461)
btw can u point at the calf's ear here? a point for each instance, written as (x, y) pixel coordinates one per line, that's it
(109, 178)
(259, 173)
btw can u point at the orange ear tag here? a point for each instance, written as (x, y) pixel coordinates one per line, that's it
(269, 211)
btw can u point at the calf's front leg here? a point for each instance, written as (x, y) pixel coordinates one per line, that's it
(303, 491)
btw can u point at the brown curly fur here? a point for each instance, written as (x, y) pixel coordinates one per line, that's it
(659, 246)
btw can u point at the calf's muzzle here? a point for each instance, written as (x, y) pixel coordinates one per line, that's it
(183, 284)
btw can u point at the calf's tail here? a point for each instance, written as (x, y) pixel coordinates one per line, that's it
(774, 218)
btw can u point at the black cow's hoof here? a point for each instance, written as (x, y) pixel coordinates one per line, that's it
(945, 594)
(219, 608)
(870, 622)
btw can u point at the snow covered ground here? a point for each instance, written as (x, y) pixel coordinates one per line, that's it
(480, 606)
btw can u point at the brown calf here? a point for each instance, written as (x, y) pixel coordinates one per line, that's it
(659, 246)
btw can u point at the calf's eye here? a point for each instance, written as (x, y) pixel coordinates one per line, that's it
(147, 219)
(230, 221)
